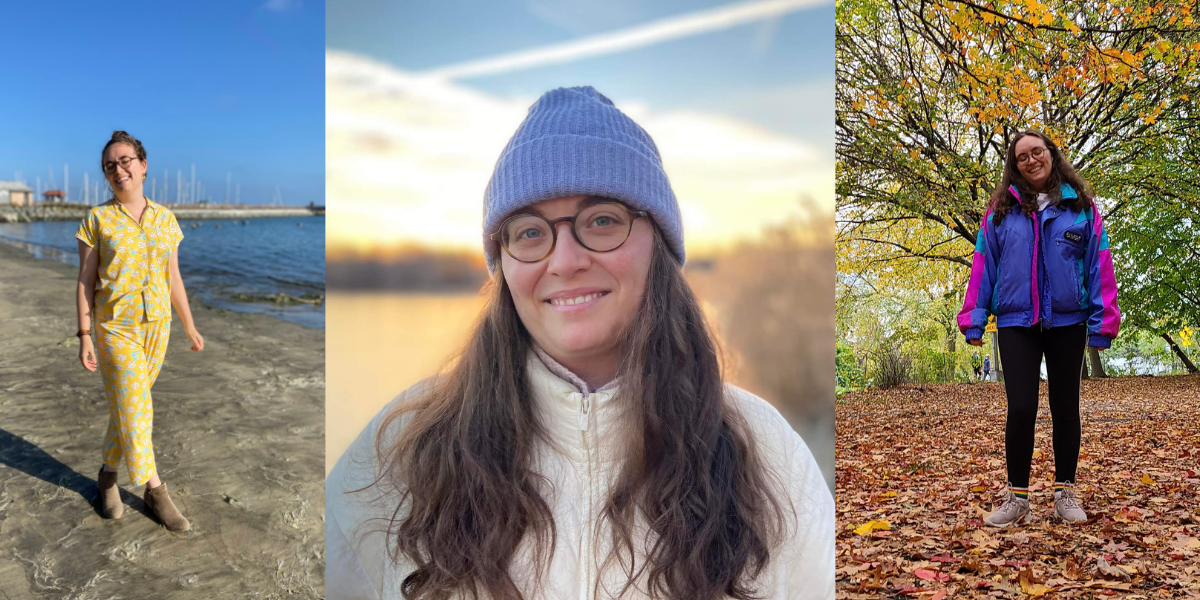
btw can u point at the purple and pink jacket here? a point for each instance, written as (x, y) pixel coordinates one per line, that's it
(1053, 268)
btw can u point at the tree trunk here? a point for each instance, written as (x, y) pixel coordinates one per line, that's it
(1097, 366)
(1180, 353)
(996, 357)
(1084, 373)
(950, 347)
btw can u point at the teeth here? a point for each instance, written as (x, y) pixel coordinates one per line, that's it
(575, 300)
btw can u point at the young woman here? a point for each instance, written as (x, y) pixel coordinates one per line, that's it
(584, 445)
(1042, 265)
(128, 281)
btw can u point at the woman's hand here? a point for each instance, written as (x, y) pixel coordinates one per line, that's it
(87, 353)
(197, 340)
(976, 342)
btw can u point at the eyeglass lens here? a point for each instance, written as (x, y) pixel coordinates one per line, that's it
(600, 228)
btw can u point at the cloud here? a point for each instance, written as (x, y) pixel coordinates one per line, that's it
(408, 159)
(282, 5)
(647, 34)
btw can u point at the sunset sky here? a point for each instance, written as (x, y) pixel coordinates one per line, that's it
(737, 96)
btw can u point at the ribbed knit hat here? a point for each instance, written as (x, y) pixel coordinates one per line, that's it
(575, 142)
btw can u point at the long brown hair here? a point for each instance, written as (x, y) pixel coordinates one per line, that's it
(469, 494)
(1061, 171)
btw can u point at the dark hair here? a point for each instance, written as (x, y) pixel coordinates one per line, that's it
(120, 137)
(463, 466)
(1061, 171)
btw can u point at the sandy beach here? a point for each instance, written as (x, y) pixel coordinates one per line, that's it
(239, 438)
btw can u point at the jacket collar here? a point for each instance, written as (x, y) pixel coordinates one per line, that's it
(565, 374)
(1065, 188)
(568, 413)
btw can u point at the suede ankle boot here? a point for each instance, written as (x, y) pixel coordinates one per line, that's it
(109, 495)
(160, 504)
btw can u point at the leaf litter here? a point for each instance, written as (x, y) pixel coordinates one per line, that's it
(920, 466)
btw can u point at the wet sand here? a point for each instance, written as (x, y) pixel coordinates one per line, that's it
(238, 434)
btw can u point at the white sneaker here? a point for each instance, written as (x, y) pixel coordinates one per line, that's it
(1010, 512)
(1066, 507)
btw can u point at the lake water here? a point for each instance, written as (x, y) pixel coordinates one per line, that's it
(225, 262)
(380, 344)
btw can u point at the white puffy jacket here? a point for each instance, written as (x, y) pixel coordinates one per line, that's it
(586, 441)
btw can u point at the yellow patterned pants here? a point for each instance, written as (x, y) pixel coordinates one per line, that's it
(130, 355)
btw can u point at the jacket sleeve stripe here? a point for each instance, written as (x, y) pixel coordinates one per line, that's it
(1105, 312)
(980, 285)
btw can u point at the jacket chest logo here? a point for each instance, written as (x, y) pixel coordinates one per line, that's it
(1074, 237)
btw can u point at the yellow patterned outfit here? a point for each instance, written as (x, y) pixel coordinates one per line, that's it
(131, 321)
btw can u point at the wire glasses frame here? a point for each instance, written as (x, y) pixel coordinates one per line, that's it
(607, 226)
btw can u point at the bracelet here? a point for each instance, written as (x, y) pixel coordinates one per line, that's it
(83, 332)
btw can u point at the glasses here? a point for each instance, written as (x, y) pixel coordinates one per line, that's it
(599, 227)
(111, 166)
(1035, 153)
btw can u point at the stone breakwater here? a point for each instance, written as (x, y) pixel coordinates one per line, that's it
(74, 212)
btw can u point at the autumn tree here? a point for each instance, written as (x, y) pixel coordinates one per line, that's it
(931, 92)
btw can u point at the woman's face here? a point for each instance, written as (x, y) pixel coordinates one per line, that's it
(1036, 169)
(127, 178)
(575, 302)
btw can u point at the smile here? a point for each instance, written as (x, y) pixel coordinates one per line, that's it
(576, 300)
(123, 180)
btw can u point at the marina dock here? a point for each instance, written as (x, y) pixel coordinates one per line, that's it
(74, 212)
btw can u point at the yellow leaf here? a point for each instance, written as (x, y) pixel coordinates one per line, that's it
(1147, 480)
(870, 526)
(979, 488)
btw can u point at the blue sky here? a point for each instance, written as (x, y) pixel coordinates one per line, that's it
(231, 86)
(776, 73)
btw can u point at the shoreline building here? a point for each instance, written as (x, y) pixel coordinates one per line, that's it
(15, 193)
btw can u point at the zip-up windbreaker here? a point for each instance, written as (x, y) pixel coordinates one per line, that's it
(580, 462)
(1053, 268)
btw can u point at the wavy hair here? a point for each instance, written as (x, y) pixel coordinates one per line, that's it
(469, 493)
(1061, 171)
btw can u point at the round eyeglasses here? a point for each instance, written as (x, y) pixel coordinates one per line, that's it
(1036, 152)
(110, 167)
(599, 227)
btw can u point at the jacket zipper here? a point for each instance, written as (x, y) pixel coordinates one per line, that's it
(587, 583)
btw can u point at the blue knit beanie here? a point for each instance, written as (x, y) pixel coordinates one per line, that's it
(575, 142)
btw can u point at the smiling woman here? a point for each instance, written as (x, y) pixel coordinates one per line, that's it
(128, 280)
(585, 444)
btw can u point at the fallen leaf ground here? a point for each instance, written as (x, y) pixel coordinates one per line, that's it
(920, 466)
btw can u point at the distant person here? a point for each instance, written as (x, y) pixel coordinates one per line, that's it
(1042, 213)
(128, 281)
(987, 368)
(584, 443)
(975, 364)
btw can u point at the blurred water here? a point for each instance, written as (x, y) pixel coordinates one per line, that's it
(221, 260)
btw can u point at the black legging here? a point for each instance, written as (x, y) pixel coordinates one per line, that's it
(1021, 350)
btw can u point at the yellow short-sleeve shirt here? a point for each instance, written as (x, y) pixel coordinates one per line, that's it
(134, 275)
